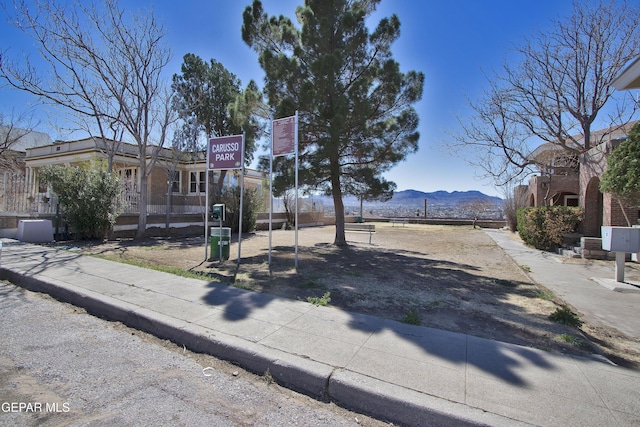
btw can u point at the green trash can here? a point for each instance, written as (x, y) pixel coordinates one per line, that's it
(220, 240)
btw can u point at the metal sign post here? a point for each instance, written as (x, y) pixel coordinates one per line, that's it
(270, 190)
(296, 150)
(241, 203)
(225, 153)
(284, 141)
(218, 213)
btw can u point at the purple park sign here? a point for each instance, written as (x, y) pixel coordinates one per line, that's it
(225, 152)
(284, 136)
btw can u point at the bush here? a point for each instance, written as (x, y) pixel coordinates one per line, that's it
(87, 197)
(544, 227)
(251, 202)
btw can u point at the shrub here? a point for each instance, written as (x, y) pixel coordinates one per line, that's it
(250, 204)
(87, 196)
(545, 227)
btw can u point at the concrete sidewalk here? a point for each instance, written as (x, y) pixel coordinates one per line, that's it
(402, 373)
(581, 284)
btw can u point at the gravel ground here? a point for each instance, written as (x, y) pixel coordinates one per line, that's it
(74, 369)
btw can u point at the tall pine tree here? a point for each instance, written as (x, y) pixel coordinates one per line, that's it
(356, 118)
(209, 99)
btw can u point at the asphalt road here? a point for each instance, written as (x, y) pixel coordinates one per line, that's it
(60, 366)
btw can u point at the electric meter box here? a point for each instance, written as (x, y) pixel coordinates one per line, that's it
(217, 212)
(621, 239)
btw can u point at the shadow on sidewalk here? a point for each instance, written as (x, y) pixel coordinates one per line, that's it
(349, 274)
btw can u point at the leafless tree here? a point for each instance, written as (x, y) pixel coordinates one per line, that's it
(515, 197)
(104, 67)
(182, 148)
(555, 92)
(13, 128)
(477, 208)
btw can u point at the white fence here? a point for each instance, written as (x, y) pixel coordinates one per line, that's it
(16, 198)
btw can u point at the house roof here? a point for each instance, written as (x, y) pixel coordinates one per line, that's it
(629, 78)
(547, 151)
(86, 149)
(90, 145)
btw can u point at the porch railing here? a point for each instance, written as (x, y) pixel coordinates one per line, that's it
(17, 198)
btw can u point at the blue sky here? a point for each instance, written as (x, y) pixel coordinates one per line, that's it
(453, 42)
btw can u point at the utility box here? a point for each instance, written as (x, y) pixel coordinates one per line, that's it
(35, 231)
(621, 239)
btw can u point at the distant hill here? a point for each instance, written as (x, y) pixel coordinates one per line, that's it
(414, 197)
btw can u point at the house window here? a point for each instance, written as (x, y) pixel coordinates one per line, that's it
(175, 182)
(197, 182)
(129, 178)
(571, 200)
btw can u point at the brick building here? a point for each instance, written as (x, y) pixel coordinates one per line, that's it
(568, 180)
(578, 179)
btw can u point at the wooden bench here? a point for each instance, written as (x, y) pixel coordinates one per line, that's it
(402, 221)
(361, 228)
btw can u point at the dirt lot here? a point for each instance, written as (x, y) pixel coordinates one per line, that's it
(452, 278)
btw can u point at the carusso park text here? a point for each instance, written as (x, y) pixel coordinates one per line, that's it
(35, 407)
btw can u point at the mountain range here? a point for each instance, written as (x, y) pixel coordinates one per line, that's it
(415, 197)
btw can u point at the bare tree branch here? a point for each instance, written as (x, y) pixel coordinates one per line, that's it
(104, 67)
(555, 93)
(14, 128)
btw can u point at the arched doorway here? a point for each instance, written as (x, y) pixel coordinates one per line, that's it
(593, 209)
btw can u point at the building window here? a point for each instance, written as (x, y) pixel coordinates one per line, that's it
(571, 200)
(42, 187)
(197, 182)
(175, 182)
(129, 178)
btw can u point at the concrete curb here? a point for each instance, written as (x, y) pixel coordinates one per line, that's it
(299, 374)
(622, 287)
(348, 389)
(405, 406)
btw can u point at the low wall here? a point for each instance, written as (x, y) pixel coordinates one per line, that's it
(9, 223)
(279, 219)
(438, 221)
(193, 224)
(125, 226)
(591, 248)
